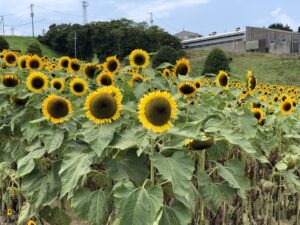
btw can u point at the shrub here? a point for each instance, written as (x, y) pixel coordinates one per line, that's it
(3, 44)
(34, 48)
(216, 61)
(165, 54)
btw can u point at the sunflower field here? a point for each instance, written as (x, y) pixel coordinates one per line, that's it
(122, 144)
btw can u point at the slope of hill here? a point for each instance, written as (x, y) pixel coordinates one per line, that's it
(267, 68)
(21, 43)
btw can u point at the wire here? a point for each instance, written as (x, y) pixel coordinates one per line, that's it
(56, 11)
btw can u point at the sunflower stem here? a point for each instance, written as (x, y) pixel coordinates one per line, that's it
(151, 162)
(201, 168)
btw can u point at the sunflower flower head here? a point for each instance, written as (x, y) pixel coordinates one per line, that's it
(139, 58)
(156, 110)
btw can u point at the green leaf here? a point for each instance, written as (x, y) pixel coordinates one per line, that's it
(168, 217)
(130, 166)
(26, 213)
(75, 165)
(99, 137)
(55, 216)
(40, 188)
(233, 173)
(212, 193)
(26, 164)
(93, 206)
(54, 141)
(141, 206)
(177, 169)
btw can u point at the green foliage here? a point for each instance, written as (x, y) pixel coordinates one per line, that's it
(117, 37)
(165, 54)
(3, 43)
(34, 49)
(216, 61)
(280, 26)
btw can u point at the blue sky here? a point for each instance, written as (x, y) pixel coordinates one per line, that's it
(201, 16)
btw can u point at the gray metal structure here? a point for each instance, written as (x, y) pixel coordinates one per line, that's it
(252, 39)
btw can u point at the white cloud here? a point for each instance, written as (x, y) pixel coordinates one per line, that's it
(279, 16)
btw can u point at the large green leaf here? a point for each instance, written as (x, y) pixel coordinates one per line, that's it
(99, 137)
(130, 166)
(140, 206)
(75, 165)
(213, 193)
(233, 172)
(54, 141)
(26, 164)
(168, 216)
(42, 187)
(177, 169)
(93, 206)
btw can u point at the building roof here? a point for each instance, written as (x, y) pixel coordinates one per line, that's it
(183, 35)
(216, 36)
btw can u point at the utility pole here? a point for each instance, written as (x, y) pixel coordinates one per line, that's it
(32, 15)
(151, 19)
(3, 27)
(12, 31)
(75, 45)
(85, 4)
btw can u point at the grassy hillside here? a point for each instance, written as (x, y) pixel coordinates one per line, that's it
(267, 68)
(21, 43)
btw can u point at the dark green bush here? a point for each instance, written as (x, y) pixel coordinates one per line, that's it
(34, 48)
(3, 44)
(165, 54)
(216, 61)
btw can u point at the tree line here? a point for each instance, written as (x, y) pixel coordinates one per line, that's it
(117, 37)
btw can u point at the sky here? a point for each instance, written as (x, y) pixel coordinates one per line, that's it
(200, 16)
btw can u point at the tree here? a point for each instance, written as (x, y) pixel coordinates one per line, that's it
(165, 54)
(3, 44)
(34, 49)
(280, 26)
(216, 61)
(298, 29)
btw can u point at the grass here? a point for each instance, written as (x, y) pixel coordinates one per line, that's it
(21, 43)
(267, 68)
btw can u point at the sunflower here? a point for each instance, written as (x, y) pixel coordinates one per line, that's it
(34, 63)
(18, 101)
(104, 105)
(22, 61)
(9, 212)
(135, 78)
(139, 58)
(182, 67)
(37, 82)
(222, 79)
(56, 109)
(275, 98)
(90, 70)
(251, 81)
(200, 144)
(31, 222)
(156, 110)
(197, 83)
(58, 84)
(78, 86)
(284, 97)
(166, 73)
(258, 114)
(112, 64)
(10, 58)
(74, 65)
(187, 89)
(10, 80)
(105, 78)
(64, 62)
(286, 107)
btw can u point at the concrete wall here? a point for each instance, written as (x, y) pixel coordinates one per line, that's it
(238, 46)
